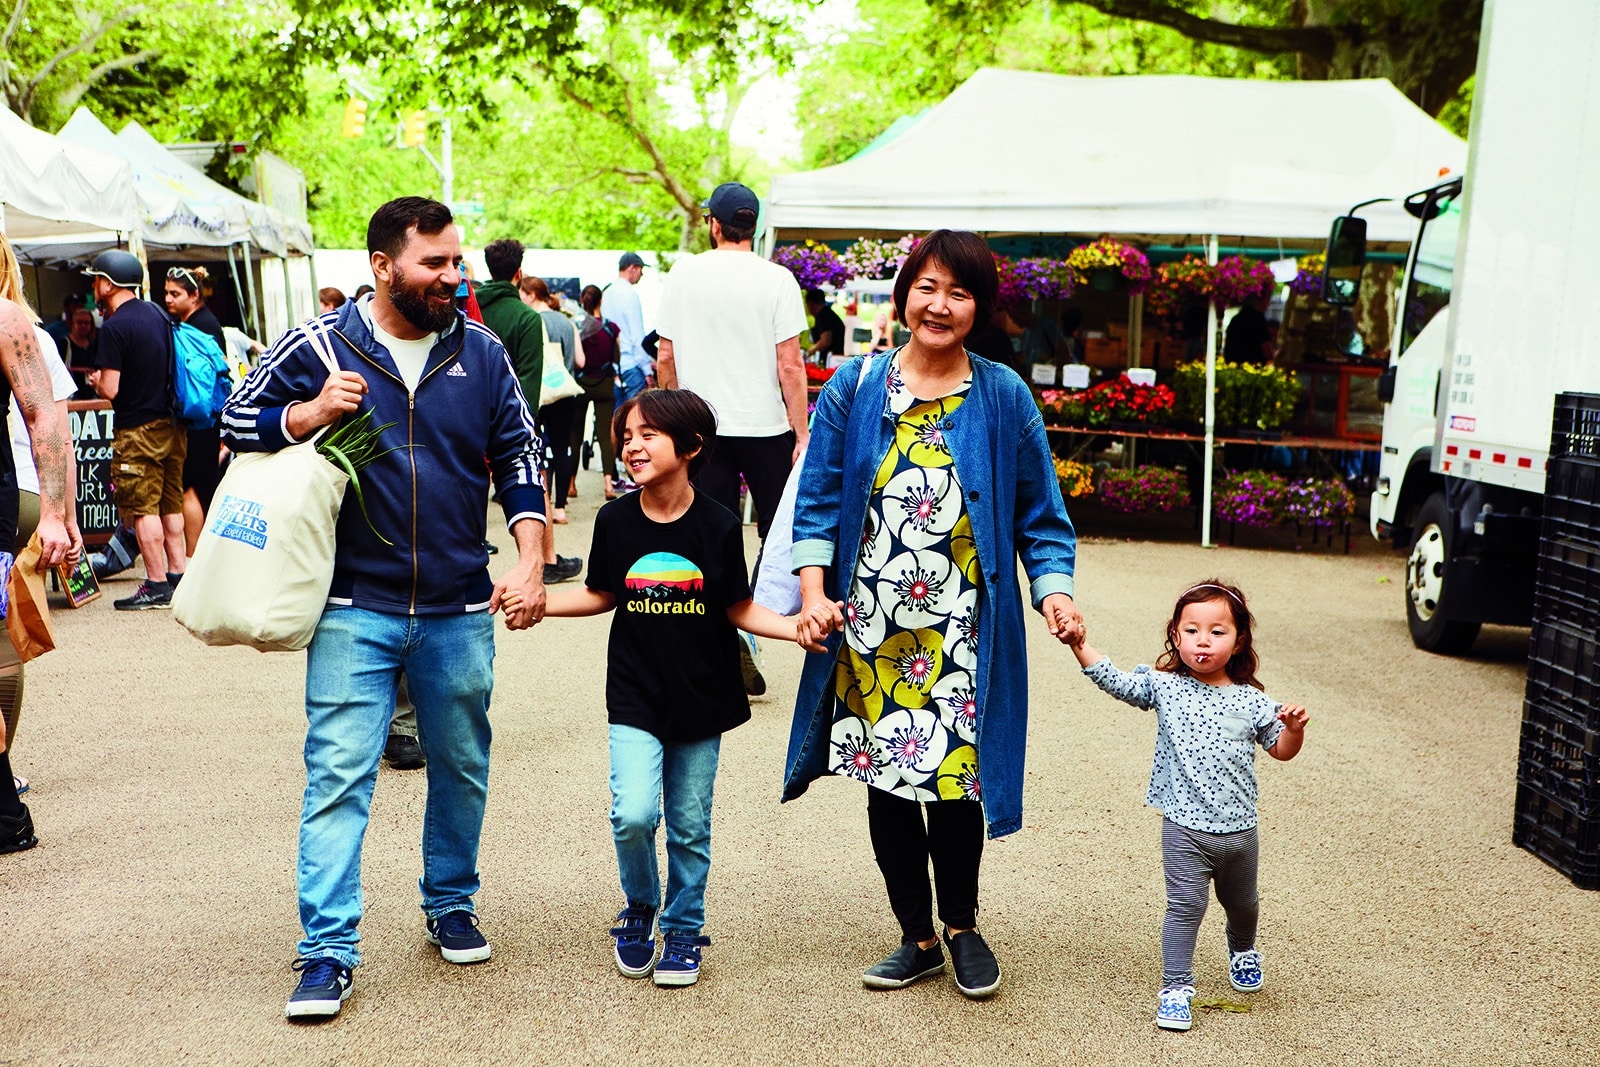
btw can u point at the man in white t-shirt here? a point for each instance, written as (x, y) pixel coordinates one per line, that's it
(730, 325)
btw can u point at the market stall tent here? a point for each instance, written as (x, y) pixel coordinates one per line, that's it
(1166, 157)
(52, 189)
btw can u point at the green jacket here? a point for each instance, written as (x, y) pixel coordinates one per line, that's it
(520, 329)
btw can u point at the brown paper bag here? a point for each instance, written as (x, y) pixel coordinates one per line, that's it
(28, 616)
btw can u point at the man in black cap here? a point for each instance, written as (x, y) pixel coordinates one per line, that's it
(133, 370)
(730, 325)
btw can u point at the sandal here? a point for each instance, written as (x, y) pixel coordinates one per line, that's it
(22, 785)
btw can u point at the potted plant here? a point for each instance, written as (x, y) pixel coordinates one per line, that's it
(1076, 478)
(1237, 281)
(813, 265)
(1108, 264)
(1175, 284)
(1144, 490)
(1250, 398)
(1250, 498)
(877, 260)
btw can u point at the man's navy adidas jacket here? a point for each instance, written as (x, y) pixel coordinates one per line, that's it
(429, 495)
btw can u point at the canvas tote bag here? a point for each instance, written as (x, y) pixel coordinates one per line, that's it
(264, 562)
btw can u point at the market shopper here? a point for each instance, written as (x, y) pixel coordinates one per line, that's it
(928, 478)
(133, 370)
(1211, 712)
(597, 363)
(634, 368)
(25, 374)
(827, 328)
(202, 459)
(411, 591)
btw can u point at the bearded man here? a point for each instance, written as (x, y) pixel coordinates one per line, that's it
(411, 591)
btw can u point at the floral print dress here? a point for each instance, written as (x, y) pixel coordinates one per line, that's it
(905, 709)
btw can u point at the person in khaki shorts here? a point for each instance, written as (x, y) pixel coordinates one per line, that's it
(133, 370)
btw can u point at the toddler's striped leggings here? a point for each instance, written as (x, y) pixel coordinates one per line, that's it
(1192, 859)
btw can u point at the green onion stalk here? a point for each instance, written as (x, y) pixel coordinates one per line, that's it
(352, 446)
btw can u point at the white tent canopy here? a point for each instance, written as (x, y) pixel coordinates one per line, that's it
(179, 206)
(1168, 156)
(52, 188)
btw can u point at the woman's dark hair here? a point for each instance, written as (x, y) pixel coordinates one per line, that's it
(390, 226)
(590, 298)
(1242, 664)
(680, 414)
(361, 291)
(969, 261)
(191, 280)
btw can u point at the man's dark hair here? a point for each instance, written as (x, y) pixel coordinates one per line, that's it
(680, 414)
(969, 261)
(734, 232)
(816, 296)
(504, 258)
(389, 230)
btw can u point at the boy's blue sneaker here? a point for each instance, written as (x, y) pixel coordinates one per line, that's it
(456, 934)
(324, 985)
(680, 959)
(1172, 1008)
(1244, 970)
(635, 949)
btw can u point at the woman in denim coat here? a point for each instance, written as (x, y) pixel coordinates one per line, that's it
(928, 476)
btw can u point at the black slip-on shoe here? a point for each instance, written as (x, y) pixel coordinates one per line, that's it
(904, 965)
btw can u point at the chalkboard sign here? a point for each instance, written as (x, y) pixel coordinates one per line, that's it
(79, 582)
(91, 440)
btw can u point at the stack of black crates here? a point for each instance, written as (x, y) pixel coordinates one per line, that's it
(1558, 767)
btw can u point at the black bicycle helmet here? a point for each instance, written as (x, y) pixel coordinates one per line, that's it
(120, 268)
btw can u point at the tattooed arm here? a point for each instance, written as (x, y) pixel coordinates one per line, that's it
(25, 368)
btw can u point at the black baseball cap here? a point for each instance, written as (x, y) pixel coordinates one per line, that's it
(630, 259)
(729, 200)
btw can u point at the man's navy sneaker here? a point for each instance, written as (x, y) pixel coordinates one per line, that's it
(456, 934)
(635, 950)
(680, 959)
(324, 985)
(149, 596)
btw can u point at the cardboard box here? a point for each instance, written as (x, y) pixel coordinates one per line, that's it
(1105, 353)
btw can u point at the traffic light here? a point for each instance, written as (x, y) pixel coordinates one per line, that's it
(355, 117)
(414, 128)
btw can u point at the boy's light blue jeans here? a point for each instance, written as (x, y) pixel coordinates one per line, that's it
(352, 668)
(649, 776)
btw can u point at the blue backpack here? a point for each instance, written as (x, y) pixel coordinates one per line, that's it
(200, 379)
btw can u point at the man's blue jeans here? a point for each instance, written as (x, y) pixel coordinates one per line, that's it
(352, 668)
(632, 382)
(645, 772)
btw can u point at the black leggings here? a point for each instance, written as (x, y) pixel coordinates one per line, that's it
(903, 845)
(555, 423)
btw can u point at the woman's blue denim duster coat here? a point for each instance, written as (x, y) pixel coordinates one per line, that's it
(997, 440)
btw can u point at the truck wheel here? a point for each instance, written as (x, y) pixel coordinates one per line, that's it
(1432, 543)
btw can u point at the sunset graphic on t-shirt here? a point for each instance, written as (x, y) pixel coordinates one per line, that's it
(662, 572)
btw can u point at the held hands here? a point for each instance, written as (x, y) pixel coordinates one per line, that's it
(1293, 717)
(817, 619)
(1062, 619)
(520, 594)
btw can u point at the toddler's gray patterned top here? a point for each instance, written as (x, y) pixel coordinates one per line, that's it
(1204, 776)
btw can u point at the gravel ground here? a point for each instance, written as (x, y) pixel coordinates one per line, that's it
(156, 921)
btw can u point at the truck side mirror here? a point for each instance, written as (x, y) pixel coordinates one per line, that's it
(1347, 255)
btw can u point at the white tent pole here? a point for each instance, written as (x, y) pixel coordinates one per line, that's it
(1211, 405)
(255, 295)
(238, 291)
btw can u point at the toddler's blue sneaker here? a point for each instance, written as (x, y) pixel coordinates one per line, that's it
(680, 959)
(635, 949)
(1244, 970)
(1172, 1007)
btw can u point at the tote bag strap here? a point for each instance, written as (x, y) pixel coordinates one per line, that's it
(321, 339)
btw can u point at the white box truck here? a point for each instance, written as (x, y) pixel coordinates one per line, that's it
(1498, 314)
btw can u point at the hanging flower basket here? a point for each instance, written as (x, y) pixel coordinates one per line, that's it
(877, 260)
(813, 265)
(1124, 266)
(1308, 282)
(1237, 281)
(1175, 284)
(1037, 278)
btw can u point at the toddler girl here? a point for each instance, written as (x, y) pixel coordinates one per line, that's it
(1210, 713)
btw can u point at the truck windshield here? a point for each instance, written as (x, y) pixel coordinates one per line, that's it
(1428, 289)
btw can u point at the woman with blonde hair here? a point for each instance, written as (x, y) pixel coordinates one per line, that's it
(54, 516)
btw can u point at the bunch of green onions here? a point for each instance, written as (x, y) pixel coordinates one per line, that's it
(352, 446)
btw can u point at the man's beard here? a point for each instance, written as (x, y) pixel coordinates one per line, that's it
(412, 303)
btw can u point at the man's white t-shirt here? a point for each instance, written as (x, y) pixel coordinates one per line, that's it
(61, 388)
(725, 312)
(410, 357)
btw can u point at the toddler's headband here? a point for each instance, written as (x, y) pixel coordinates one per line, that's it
(1220, 588)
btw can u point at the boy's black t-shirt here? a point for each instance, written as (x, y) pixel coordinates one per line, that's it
(136, 339)
(673, 667)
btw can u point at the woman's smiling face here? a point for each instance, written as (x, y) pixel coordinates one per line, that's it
(939, 312)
